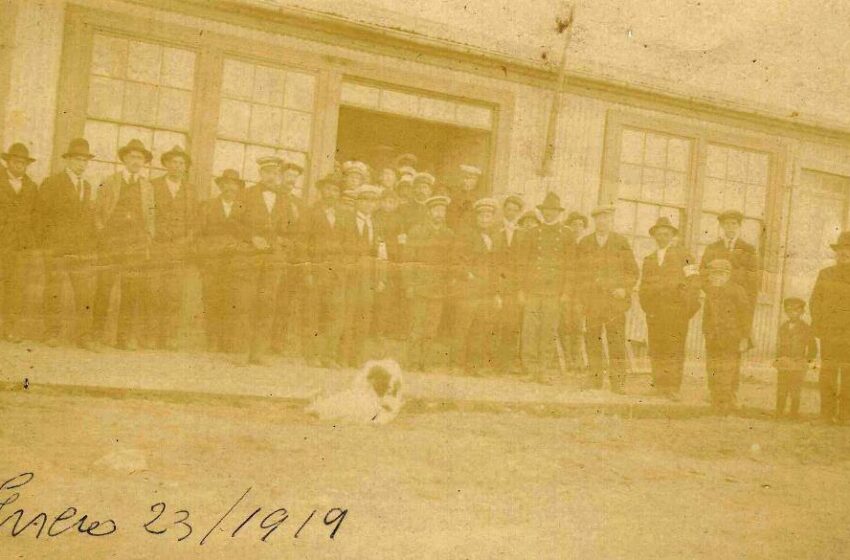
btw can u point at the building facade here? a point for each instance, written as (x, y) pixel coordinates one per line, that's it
(232, 81)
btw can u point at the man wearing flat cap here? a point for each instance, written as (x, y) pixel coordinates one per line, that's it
(68, 236)
(608, 275)
(217, 242)
(125, 216)
(830, 310)
(668, 296)
(262, 218)
(507, 246)
(18, 198)
(426, 275)
(325, 275)
(364, 249)
(461, 212)
(547, 283)
(175, 217)
(475, 289)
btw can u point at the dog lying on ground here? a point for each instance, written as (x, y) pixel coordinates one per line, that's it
(375, 397)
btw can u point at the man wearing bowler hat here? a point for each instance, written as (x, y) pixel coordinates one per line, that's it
(217, 243)
(175, 216)
(68, 236)
(547, 284)
(18, 198)
(125, 217)
(830, 310)
(668, 297)
(608, 274)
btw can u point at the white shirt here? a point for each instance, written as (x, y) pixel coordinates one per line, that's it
(172, 187)
(330, 214)
(730, 243)
(661, 253)
(601, 240)
(364, 221)
(130, 177)
(270, 197)
(16, 182)
(510, 228)
(488, 241)
(227, 207)
(78, 183)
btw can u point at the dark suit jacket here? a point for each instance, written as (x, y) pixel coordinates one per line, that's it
(17, 214)
(509, 263)
(217, 234)
(603, 270)
(548, 260)
(426, 269)
(175, 216)
(744, 261)
(795, 346)
(66, 222)
(665, 292)
(830, 306)
(475, 274)
(253, 219)
(726, 314)
(324, 241)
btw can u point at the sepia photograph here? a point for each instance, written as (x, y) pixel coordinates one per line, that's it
(444, 279)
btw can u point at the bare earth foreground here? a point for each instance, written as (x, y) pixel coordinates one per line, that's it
(431, 485)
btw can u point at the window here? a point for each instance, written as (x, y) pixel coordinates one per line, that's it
(735, 178)
(138, 90)
(654, 171)
(264, 110)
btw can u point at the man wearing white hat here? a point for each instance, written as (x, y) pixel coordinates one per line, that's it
(363, 248)
(354, 173)
(476, 284)
(426, 277)
(461, 212)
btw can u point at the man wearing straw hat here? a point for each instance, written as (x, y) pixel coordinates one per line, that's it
(68, 236)
(176, 210)
(830, 309)
(125, 220)
(18, 197)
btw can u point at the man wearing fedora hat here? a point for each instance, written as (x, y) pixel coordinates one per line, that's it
(668, 297)
(175, 215)
(830, 310)
(547, 284)
(125, 219)
(740, 253)
(217, 242)
(18, 197)
(68, 236)
(608, 274)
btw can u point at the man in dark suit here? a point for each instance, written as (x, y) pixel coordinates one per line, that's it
(571, 329)
(668, 297)
(741, 254)
(508, 264)
(68, 235)
(125, 219)
(830, 309)
(362, 240)
(175, 215)
(426, 275)
(18, 197)
(325, 278)
(262, 218)
(548, 283)
(461, 214)
(391, 311)
(217, 243)
(475, 289)
(608, 274)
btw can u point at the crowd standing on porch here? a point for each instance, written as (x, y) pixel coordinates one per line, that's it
(388, 251)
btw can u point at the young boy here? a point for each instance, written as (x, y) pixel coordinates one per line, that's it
(795, 350)
(726, 325)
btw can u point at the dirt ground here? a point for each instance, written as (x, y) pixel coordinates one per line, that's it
(430, 485)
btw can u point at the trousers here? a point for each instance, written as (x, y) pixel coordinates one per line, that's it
(613, 328)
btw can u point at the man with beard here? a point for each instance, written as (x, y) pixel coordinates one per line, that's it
(426, 276)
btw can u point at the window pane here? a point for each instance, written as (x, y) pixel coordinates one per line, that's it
(175, 109)
(632, 146)
(678, 154)
(735, 193)
(656, 150)
(643, 246)
(268, 85)
(756, 195)
(178, 68)
(647, 215)
(296, 130)
(715, 162)
(624, 217)
(757, 171)
(673, 214)
(751, 230)
(674, 193)
(237, 79)
(708, 228)
(106, 96)
(300, 91)
(736, 165)
(630, 181)
(228, 155)
(653, 184)
(233, 119)
(103, 139)
(712, 195)
(109, 56)
(144, 61)
(139, 103)
(98, 171)
(265, 124)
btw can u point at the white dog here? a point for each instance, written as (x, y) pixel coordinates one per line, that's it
(375, 397)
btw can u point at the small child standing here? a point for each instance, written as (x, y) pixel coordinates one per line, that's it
(726, 326)
(796, 349)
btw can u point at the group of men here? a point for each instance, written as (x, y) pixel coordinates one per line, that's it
(385, 250)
